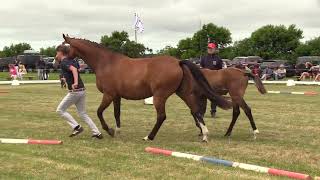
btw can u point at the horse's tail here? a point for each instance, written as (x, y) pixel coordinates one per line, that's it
(258, 83)
(209, 92)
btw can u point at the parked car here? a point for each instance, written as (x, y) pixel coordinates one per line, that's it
(49, 62)
(84, 68)
(195, 60)
(228, 62)
(29, 58)
(312, 59)
(247, 60)
(4, 62)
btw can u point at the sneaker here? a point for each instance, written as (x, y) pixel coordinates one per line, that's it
(76, 131)
(98, 136)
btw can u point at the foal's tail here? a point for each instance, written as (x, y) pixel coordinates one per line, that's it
(258, 83)
(209, 92)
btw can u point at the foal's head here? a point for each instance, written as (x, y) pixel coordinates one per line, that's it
(73, 51)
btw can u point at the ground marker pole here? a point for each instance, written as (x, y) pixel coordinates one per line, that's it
(213, 160)
(29, 141)
(309, 93)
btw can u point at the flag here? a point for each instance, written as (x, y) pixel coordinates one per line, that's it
(138, 24)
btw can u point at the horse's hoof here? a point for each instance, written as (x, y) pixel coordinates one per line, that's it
(146, 138)
(117, 130)
(255, 132)
(111, 132)
(205, 139)
(228, 134)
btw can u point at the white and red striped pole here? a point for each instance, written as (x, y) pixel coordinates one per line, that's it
(29, 141)
(212, 160)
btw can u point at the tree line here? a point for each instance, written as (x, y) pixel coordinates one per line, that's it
(268, 42)
(117, 41)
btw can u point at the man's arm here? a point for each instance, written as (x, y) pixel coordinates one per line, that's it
(74, 71)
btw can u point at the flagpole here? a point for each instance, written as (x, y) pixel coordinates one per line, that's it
(135, 35)
(200, 39)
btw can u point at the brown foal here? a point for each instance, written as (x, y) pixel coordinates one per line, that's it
(233, 81)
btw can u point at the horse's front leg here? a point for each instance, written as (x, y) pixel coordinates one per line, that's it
(159, 104)
(117, 112)
(106, 101)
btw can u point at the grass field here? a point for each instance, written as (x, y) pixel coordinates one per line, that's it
(289, 138)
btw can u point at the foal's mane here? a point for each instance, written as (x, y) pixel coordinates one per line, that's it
(97, 45)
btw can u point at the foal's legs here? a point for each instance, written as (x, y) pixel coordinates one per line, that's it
(236, 111)
(247, 110)
(159, 104)
(235, 115)
(116, 107)
(106, 101)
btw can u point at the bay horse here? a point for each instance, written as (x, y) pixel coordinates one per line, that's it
(233, 81)
(118, 76)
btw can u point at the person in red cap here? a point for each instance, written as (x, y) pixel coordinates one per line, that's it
(211, 61)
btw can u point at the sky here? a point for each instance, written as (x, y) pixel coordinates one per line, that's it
(42, 22)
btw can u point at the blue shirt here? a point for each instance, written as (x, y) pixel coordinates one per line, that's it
(67, 73)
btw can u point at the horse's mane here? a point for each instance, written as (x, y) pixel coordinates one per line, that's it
(99, 46)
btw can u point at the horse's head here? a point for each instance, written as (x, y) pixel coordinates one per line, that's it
(73, 52)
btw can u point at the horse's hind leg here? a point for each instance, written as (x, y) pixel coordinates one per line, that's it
(116, 107)
(248, 112)
(159, 104)
(202, 105)
(235, 115)
(193, 103)
(106, 101)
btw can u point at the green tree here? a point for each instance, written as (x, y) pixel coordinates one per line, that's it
(219, 35)
(310, 48)
(243, 48)
(227, 53)
(276, 41)
(171, 51)
(1, 54)
(15, 49)
(197, 44)
(120, 42)
(133, 49)
(187, 48)
(49, 51)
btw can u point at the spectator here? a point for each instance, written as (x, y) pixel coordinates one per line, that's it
(41, 66)
(21, 71)
(256, 70)
(303, 76)
(267, 73)
(245, 66)
(16, 65)
(280, 73)
(12, 72)
(317, 73)
(214, 62)
(63, 82)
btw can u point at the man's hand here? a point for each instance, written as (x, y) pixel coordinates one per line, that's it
(74, 86)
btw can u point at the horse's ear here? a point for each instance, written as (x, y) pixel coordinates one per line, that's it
(64, 37)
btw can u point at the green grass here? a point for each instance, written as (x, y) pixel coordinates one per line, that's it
(289, 138)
